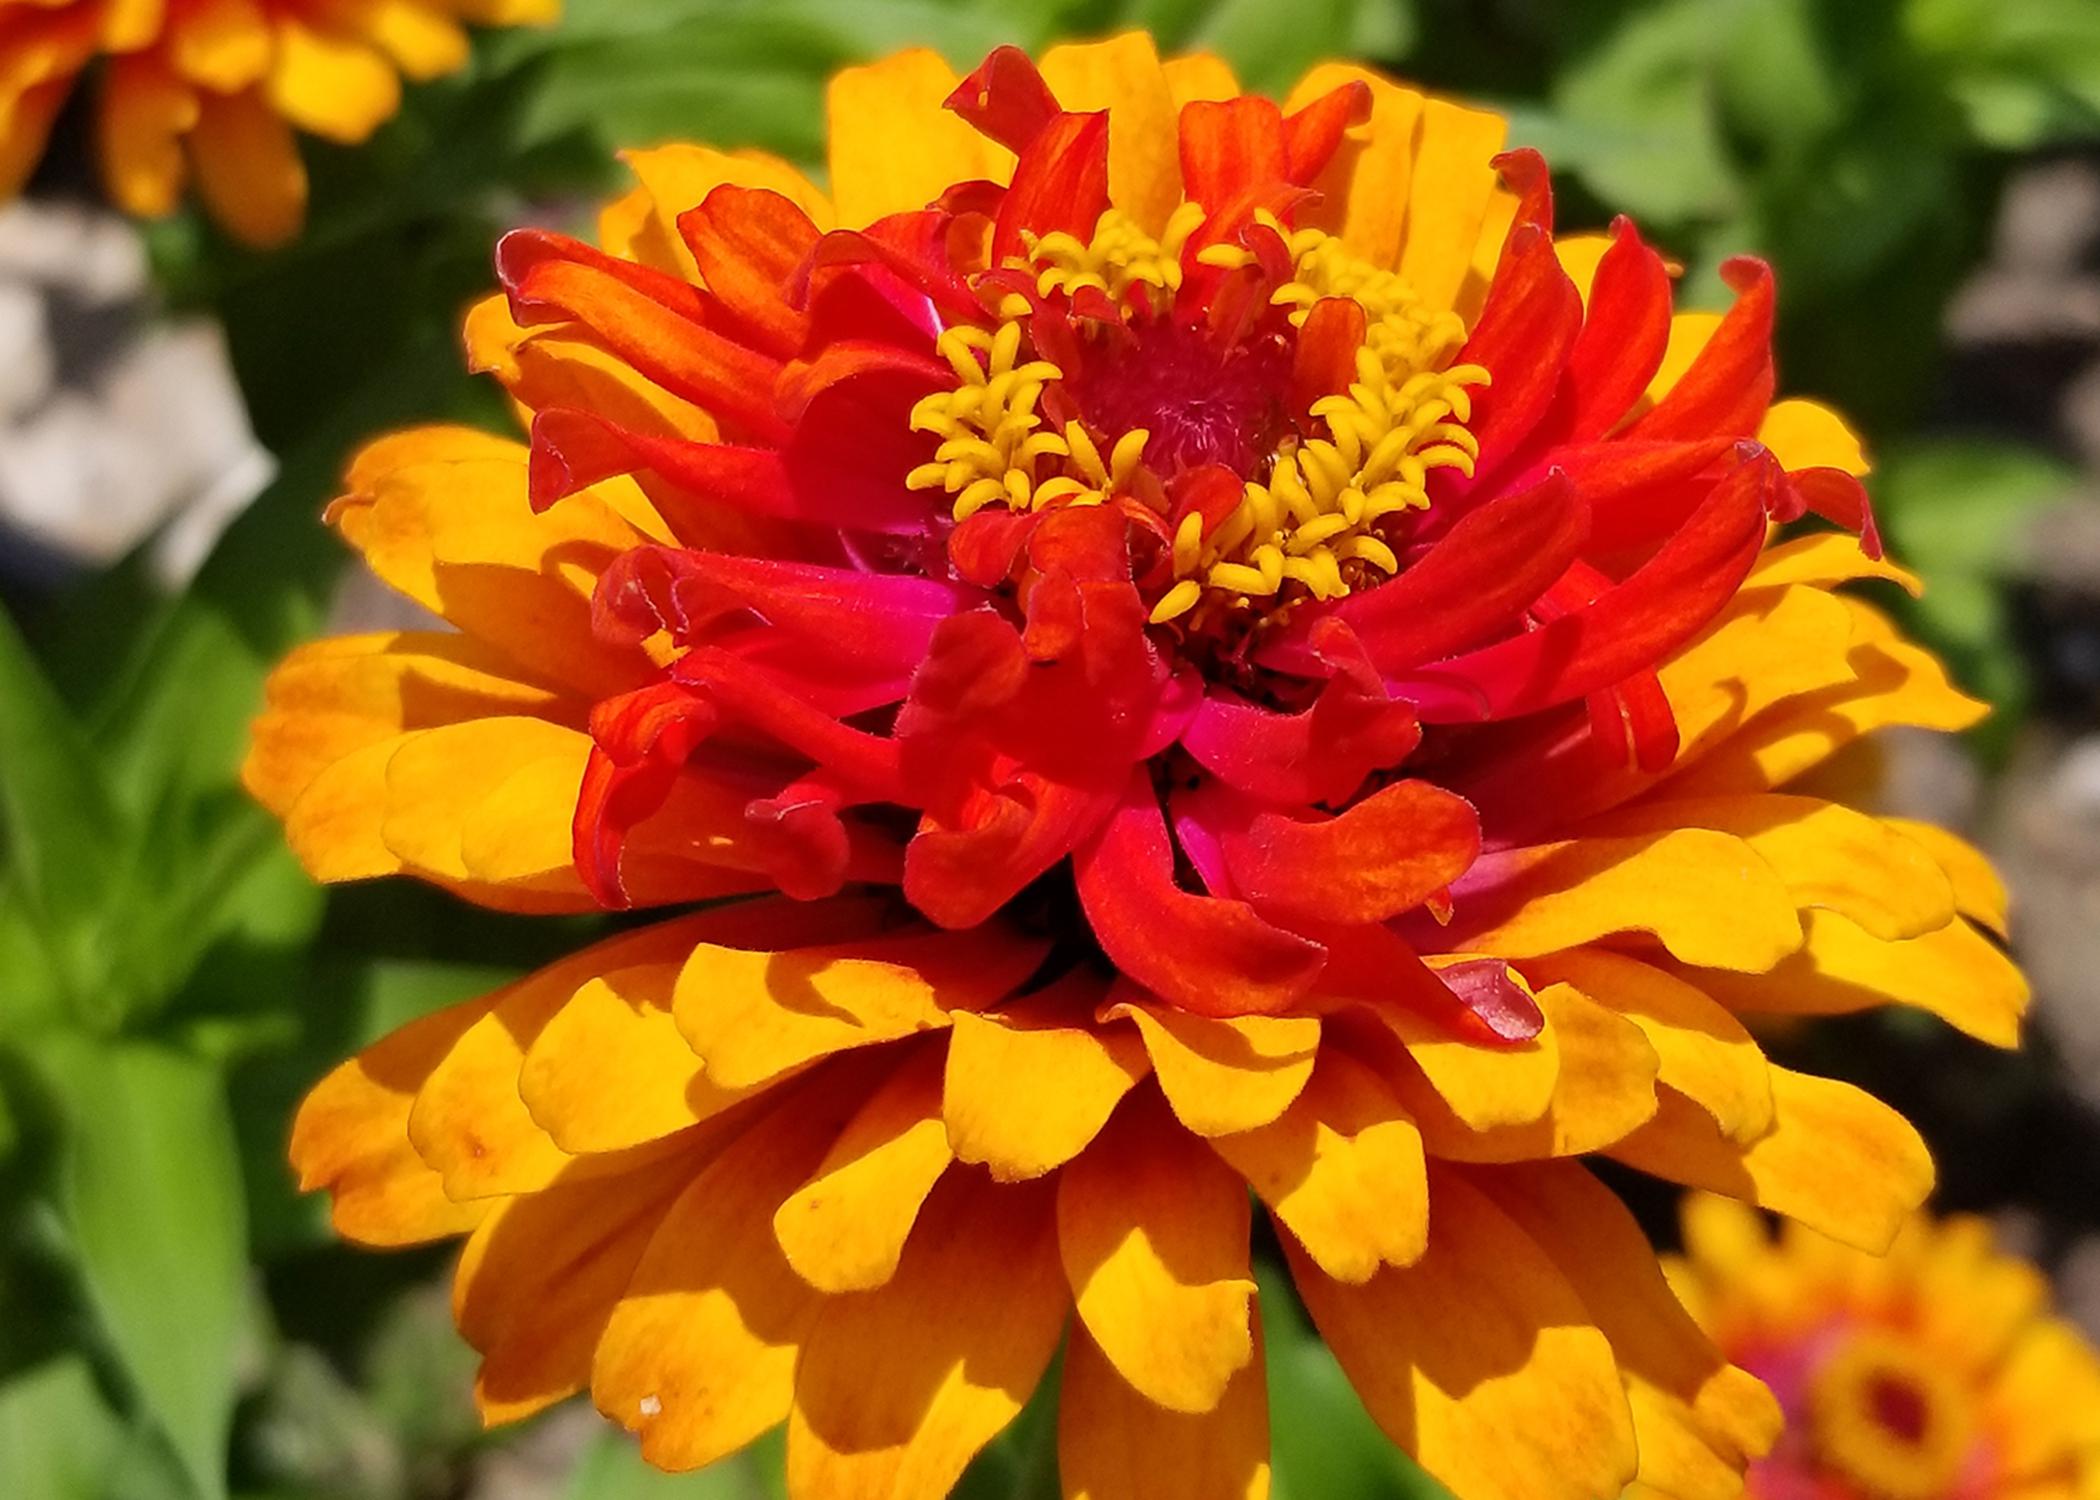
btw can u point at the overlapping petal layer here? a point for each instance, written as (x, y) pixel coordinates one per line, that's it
(1258, 674)
(210, 93)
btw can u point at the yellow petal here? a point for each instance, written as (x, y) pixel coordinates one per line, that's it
(539, 1278)
(699, 1356)
(844, 1229)
(1699, 892)
(1603, 1090)
(469, 1121)
(1827, 854)
(1701, 1050)
(616, 1027)
(1975, 1302)
(899, 1388)
(1978, 892)
(1113, 1444)
(248, 169)
(1199, 75)
(1809, 435)
(457, 534)
(423, 42)
(1480, 1360)
(1483, 1083)
(1123, 76)
(894, 149)
(1152, 1230)
(1954, 973)
(1836, 1158)
(1223, 1074)
(1827, 559)
(1364, 190)
(221, 45)
(754, 1015)
(1892, 682)
(331, 84)
(440, 777)
(350, 1138)
(1580, 255)
(2047, 1402)
(1698, 1418)
(1342, 1168)
(1448, 196)
(330, 698)
(1690, 333)
(1026, 1089)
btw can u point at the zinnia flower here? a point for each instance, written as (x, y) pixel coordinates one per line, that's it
(1935, 1373)
(1247, 664)
(215, 89)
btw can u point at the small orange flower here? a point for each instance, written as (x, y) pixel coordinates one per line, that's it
(1213, 652)
(1936, 1372)
(215, 88)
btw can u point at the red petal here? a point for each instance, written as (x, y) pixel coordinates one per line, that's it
(667, 346)
(1210, 956)
(1525, 334)
(1480, 576)
(1011, 826)
(1313, 134)
(1624, 334)
(750, 245)
(572, 450)
(1728, 388)
(1006, 99)
(1060, 183)
(1384, 856)
(1483, 986)
(754, 697)
(1639, 493)
(1324, 363)
(1320, 755)
(1630, 628)
(1838, 497)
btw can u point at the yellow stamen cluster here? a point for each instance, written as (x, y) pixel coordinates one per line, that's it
(994, 449)
(1120, 256)
(1320, 506)
(1314, 518)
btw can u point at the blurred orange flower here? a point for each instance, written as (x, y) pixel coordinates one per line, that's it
(1936, 1372)
(1215, 652)
(215, 88)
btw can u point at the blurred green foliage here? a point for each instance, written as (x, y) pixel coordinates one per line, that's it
(175, 1323)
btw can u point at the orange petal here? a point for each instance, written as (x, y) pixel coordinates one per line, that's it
(1701, 893)
(1199, 75)
(1480, 1359)
(899, 1388)
(1836, 1158)
(1698, 1418)
(844, 1230)
(1702, 1050)
(350, 1138)
(618, 1026)
(754, 1015)
(679, 177)
(248, 169)
(1978, 892)
(1482, 1082)
(1827, 559)
(1809, 435)
(1223, 1074)
(1827, 854)
(1342, 1168)
(330, 84)
(1114, 1444)
(1448, 196)
(1026, 1091)
(539, 1278)
(1603, 1090)
(1152, 1229)
(469, 1121)
(699, 1356)
(1955, 973)
(145, 112)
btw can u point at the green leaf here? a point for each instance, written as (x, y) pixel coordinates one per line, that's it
(1634, 114)
(60, 827)
(58, 1438)
(150, 1189)
(1270, 45)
